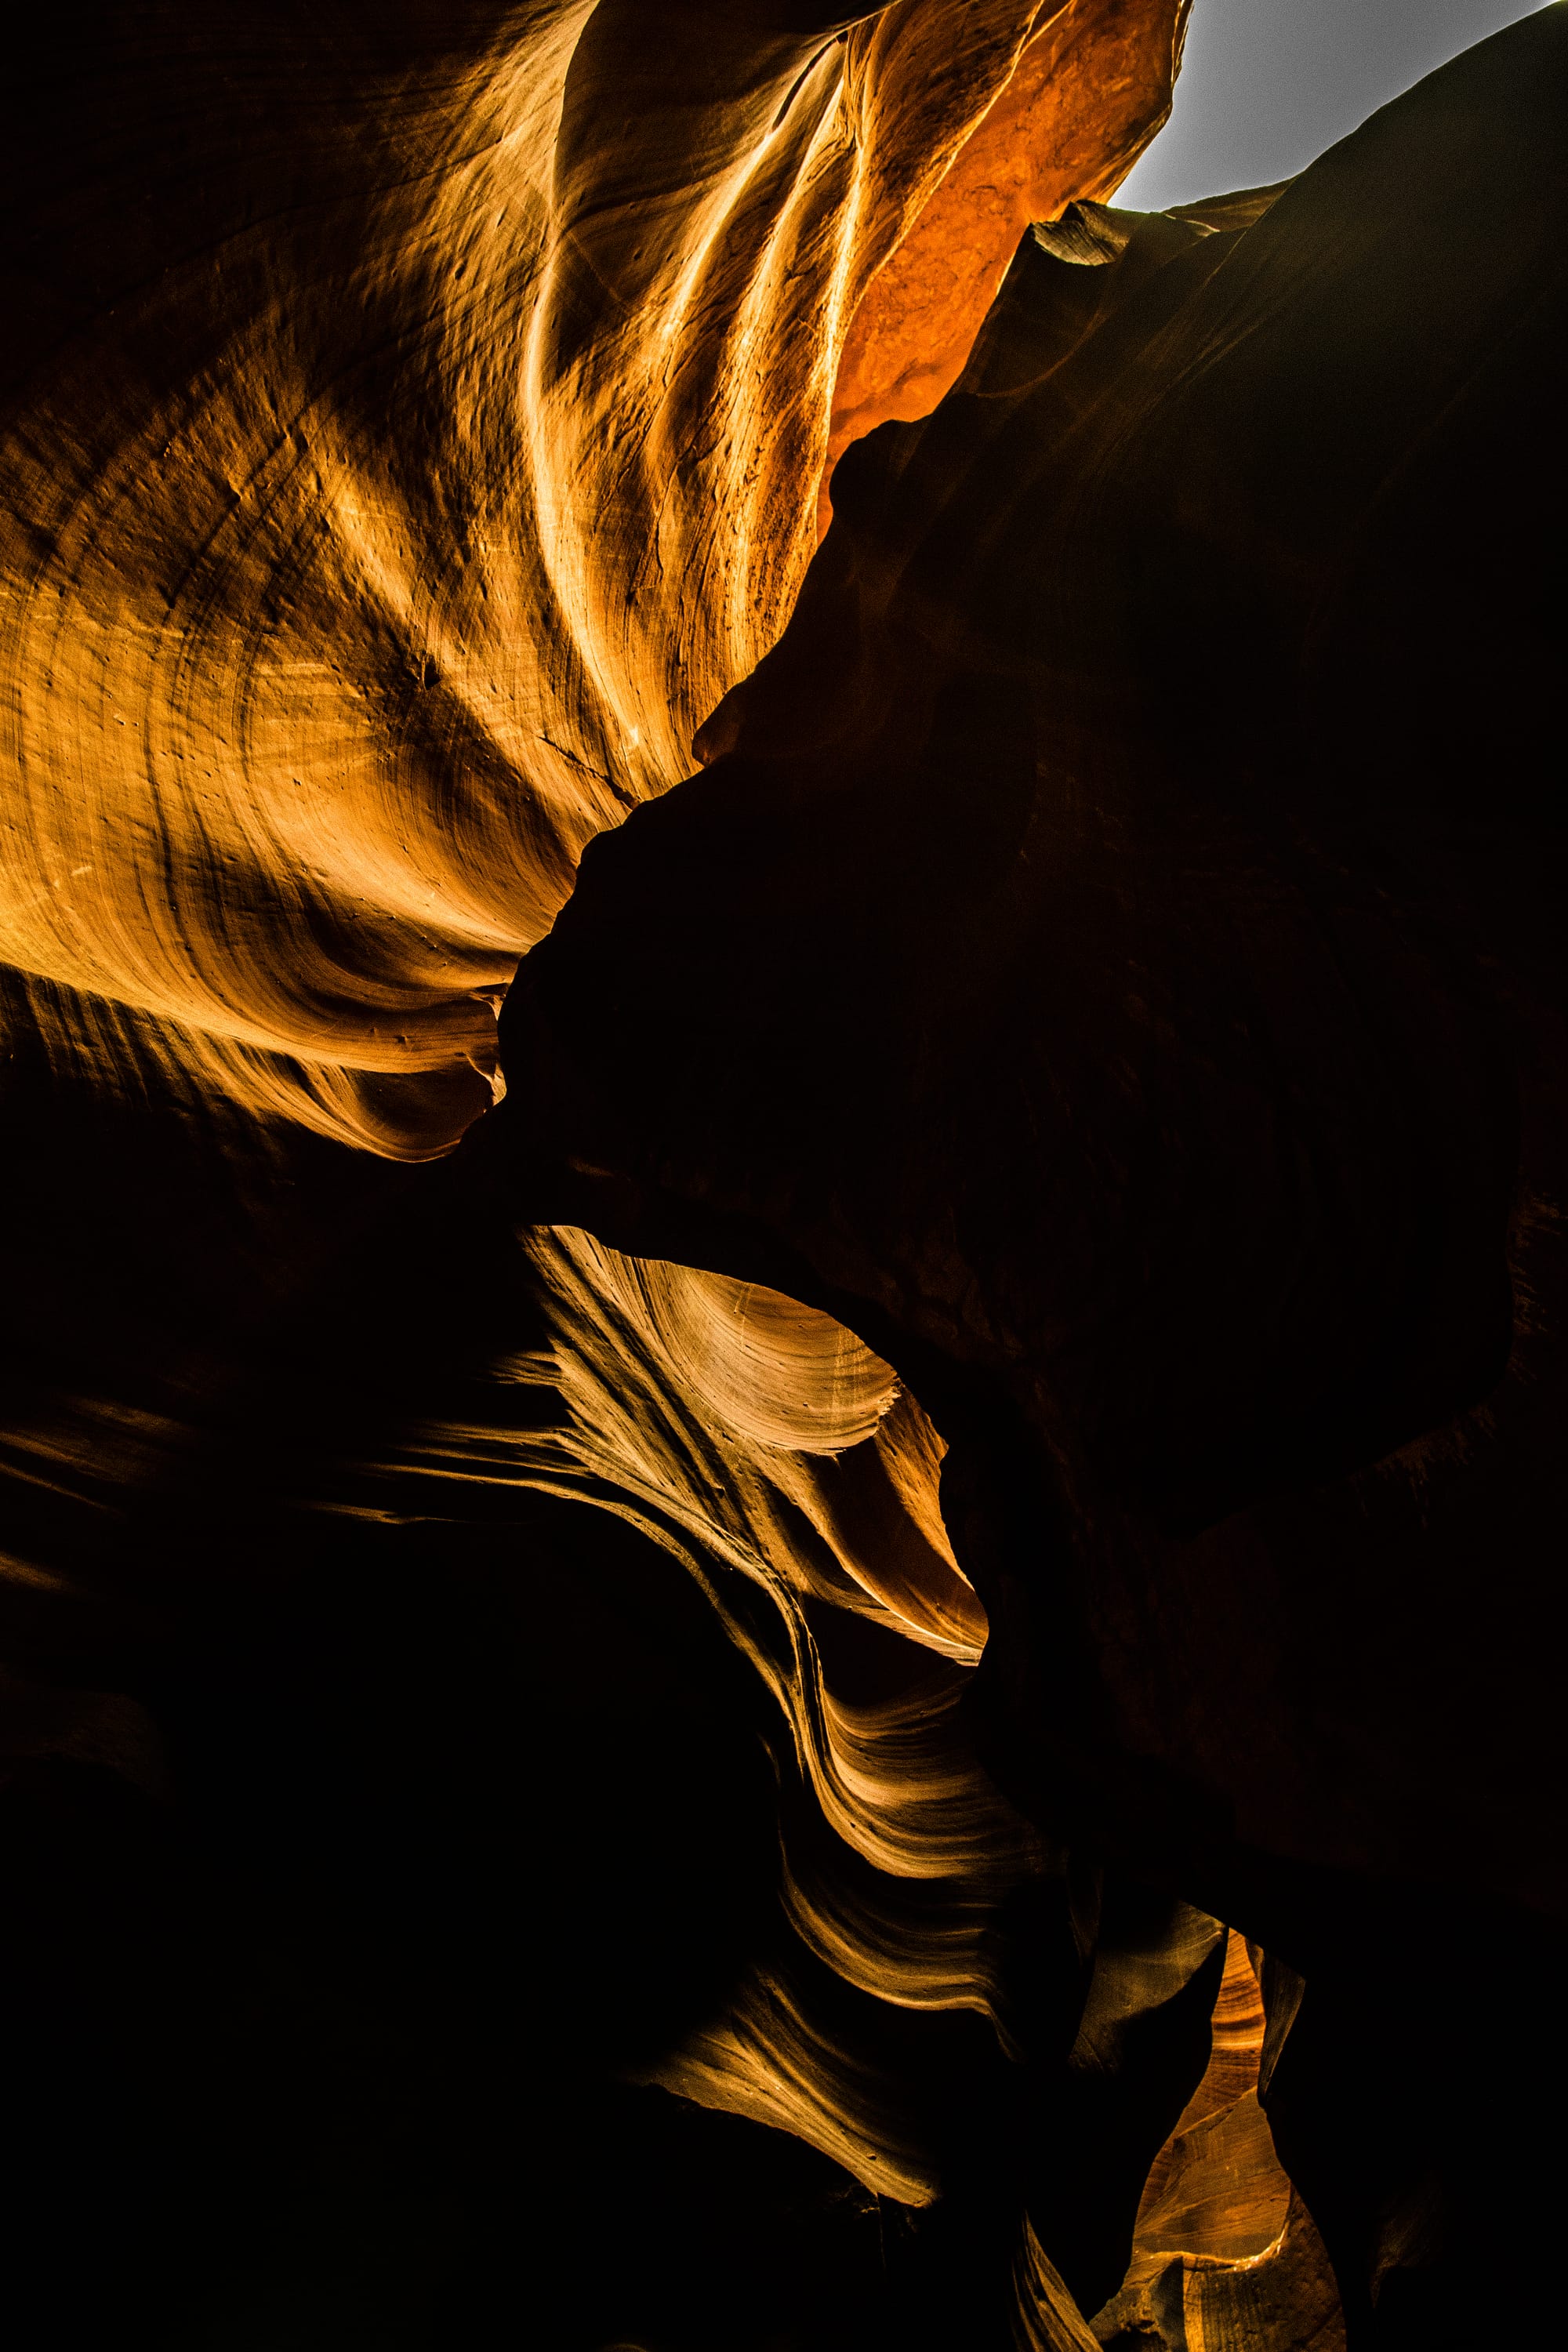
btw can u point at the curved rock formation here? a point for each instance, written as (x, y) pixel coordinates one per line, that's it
(1125, 910)
(404, 452)
(1047, 1148)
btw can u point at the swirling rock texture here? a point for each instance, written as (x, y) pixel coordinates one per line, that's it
(880, 1670)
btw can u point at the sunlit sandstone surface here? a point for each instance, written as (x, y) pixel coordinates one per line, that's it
(1049, 1146)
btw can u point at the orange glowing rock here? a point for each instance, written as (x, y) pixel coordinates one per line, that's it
(1090, 88)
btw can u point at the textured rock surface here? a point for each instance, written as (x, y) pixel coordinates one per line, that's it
(1126, 912)
(1190, 1103)
(405, 449)
(492, 1804)
(1226, 2254)
(412, 426)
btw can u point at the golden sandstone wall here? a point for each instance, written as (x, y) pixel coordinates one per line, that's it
(407, 449)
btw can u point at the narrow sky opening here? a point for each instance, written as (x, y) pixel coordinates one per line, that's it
(1265, 85)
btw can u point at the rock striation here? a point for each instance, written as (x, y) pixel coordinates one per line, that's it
(1126, 910)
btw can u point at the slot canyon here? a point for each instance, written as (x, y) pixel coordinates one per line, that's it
(786, 1010)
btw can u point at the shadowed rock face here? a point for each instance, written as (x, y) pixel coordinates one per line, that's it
(1115, 956)
(1047, 1148)
(1186, 1100)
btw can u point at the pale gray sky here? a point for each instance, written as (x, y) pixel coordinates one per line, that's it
(1268, 84)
